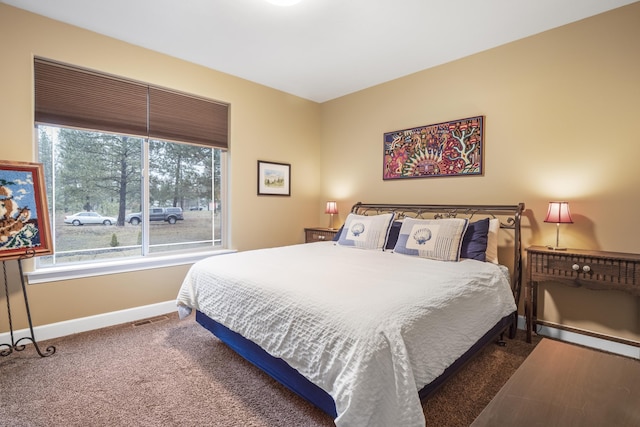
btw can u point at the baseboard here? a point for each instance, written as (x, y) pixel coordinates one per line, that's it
(584, 340)
(84, 324)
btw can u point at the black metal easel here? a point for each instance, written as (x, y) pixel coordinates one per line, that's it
(15, 345)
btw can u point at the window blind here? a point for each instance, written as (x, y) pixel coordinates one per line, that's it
(75, 97)
(173, 115)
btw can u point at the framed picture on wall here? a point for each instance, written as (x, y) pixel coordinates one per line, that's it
(445, 149)
(274, 179)
(24, 215)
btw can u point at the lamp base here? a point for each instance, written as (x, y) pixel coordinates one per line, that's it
(557, 246)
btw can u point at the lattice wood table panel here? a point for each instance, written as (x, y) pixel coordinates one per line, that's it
(579, 268)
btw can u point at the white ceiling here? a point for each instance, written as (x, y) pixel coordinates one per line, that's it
(318, 49)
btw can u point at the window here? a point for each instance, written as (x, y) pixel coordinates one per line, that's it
(102, 205)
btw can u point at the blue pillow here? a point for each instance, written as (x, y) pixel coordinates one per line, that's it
(474, 242)
(394, 232)
(337, 236)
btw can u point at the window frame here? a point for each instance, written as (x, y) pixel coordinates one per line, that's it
(42, 274)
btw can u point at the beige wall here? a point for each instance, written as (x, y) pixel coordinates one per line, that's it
(562, 111)
(265, 124)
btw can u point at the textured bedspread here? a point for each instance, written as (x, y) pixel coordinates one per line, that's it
(369, 327)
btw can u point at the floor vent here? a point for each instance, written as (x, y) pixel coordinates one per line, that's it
(149, 321)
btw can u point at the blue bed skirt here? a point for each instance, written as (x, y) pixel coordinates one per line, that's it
(293, 380)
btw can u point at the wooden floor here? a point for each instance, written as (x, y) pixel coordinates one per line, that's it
(565, 385)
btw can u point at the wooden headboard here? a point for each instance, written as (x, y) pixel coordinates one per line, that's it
(509, 216)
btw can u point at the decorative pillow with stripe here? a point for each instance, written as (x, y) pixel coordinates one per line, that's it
(365, 232)
(439, 239)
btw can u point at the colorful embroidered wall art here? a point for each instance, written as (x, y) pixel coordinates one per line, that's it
(452, 148)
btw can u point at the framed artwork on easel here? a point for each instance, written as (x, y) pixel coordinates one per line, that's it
(24, 216)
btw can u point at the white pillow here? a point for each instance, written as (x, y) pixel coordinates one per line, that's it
(439, 239)
(492, 241)
(365, 232)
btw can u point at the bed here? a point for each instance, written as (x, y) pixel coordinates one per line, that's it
(366, 326)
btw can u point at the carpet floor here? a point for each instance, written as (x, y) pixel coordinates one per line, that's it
(169, 372)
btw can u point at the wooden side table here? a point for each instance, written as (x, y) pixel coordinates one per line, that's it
(578, 268)
(319, 234)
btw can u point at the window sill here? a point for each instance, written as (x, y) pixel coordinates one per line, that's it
(54, 274)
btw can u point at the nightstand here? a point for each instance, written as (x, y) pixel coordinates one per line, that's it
(319, 234)
(578, 268)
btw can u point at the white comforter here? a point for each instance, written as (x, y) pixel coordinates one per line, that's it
(369, 327)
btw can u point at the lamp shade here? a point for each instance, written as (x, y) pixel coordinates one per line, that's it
(559, 213)
(332, 208)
